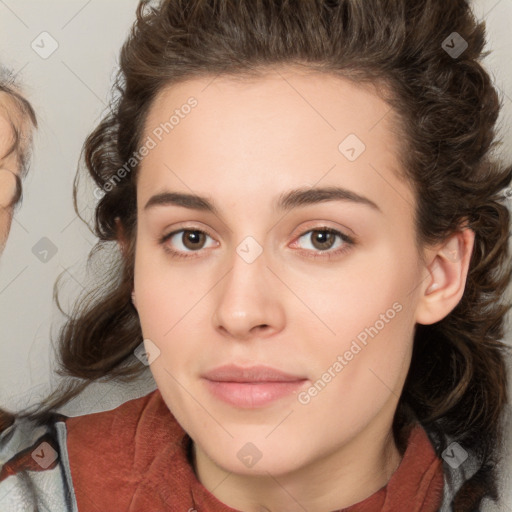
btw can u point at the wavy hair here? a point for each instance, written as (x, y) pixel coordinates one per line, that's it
(447, 109)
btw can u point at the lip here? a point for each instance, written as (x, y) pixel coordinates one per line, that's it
(251, 387)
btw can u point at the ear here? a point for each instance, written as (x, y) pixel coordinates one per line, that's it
(445, 277)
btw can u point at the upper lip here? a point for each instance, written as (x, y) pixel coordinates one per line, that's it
(259, 373)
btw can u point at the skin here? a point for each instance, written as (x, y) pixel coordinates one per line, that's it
(7, 163)
(245, 144)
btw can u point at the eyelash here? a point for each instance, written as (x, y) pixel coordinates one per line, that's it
(349, 242)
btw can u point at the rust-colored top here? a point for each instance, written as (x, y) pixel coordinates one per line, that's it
(134, 458)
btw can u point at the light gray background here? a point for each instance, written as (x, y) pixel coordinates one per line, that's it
(69, 90)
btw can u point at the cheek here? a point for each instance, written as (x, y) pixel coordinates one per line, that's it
(167, 303)
(154, 281)
(369, 311)
(363, 366)
(356, 297)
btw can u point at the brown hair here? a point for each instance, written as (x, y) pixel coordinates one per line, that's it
(21, 118)
(447, 106)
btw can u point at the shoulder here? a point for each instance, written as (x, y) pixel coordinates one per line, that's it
(125, 446)
(459, 465)
(150, 407)
(33, 468)
(128, 431)
(37, 460)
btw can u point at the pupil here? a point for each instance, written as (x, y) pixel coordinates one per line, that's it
(324, 237)
(192, 238)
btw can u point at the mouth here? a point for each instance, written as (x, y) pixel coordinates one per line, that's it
(251, 387)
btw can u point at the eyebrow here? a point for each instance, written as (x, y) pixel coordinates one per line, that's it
(285, 202)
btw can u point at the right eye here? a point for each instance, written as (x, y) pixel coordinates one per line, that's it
(190, 240)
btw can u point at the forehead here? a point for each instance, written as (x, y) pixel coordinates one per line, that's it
(282, 128)
(289, 92)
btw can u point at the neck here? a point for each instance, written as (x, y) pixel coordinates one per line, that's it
(337, 480)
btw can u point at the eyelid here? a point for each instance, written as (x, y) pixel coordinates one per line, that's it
(188, 226)
(317, 225)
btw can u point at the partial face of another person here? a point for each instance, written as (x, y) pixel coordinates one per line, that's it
(319, 288)
(9, 168)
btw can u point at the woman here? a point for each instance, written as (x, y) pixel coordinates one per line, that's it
(312, 260)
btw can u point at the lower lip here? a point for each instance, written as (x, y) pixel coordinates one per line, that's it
(250, 395)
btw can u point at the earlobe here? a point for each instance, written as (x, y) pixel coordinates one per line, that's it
(445, 280)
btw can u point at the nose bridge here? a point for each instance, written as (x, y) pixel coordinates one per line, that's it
(247, 298)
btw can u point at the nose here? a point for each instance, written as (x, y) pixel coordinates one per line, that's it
(249, 301)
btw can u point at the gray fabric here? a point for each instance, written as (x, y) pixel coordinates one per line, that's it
(62, 434)
(49, 486)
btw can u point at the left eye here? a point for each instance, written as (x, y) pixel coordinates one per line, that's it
(323, 239)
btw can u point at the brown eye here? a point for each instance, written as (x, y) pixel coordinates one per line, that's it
(322, 239)
(193, 239)
(186, 242)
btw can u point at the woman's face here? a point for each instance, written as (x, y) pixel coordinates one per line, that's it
(314, 328)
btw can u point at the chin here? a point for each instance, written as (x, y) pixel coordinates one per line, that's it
(252, 456)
